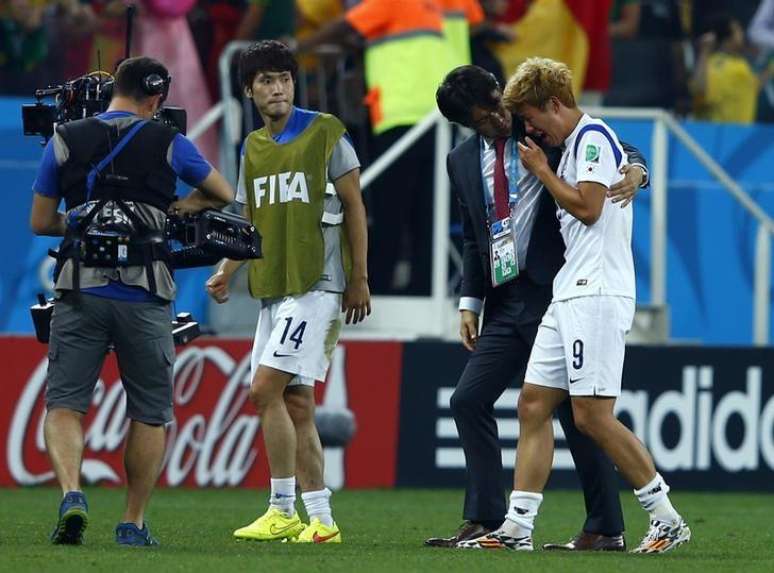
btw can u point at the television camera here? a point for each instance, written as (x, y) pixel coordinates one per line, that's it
(195, 240)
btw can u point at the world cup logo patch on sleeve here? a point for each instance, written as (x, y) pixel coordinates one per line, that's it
(592, 153)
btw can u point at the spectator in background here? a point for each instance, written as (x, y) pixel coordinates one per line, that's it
(724, 85)
(312, 16)
(666, 19)
(76, 34)
(267, 20)
(570, 31)
(23, 45)
(263, 20)
(703, 11)
(405, 59)
(109, 40)
(163, 34)
(495, 28)
(28, 28)
(213, 25)
(648, 54)
(460, 19)
(761, 33)
(624, 19)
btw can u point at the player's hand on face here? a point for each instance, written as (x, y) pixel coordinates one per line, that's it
(217, 287)
(624, 191)
(469, 329)
(532, 156)
(357, 301)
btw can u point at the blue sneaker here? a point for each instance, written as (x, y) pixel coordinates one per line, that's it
(73, 519)
(130, 534)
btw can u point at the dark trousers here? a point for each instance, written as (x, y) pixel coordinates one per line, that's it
(400, 207)
(499, 361)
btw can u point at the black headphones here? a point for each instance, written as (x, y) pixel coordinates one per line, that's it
(154, 84)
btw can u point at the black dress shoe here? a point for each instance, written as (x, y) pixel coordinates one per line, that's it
(585, 541)
(468, 530)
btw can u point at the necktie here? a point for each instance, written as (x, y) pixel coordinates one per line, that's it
(500, 181)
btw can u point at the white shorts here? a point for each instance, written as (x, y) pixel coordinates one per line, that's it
(580, 345)
(297, 334)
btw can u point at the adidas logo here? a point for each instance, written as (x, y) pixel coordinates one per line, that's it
(655, 490)
(521, 511)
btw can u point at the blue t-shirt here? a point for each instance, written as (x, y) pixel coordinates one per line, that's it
(299, 120)
(184, 159)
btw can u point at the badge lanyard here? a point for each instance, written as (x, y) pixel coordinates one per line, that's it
(513, 188)
(502, 234)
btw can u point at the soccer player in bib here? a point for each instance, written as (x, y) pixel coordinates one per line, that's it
(579, 349)
(299, 182)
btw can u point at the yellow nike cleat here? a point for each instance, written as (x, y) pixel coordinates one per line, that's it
(318, 532)
(271, 526)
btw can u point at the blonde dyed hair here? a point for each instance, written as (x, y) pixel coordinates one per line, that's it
(536, 81)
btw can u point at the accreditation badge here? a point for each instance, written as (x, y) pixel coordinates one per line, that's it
(502, 252)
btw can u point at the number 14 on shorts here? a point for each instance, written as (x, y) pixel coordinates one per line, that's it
(293, 332)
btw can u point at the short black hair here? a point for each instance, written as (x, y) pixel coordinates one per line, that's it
(462, 89)
(131, 74)
(719, 23)
(266, 56)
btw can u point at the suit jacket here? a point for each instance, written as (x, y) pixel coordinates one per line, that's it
(545, 253)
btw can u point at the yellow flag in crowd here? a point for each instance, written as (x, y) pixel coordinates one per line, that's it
(570, 31)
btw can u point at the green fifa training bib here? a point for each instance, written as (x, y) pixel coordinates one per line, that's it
(285, 185)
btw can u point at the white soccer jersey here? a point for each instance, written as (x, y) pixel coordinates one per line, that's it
(598, 257)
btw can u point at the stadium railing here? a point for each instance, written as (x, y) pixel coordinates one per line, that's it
(663, 122)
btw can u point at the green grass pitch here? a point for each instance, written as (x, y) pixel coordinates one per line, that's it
(382, 531)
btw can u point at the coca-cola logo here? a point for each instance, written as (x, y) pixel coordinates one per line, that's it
(218, 447)
(215, 447)
(207, 444)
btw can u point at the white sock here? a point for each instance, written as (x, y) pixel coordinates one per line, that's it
(283, 495)
(522, 510)
(318, 504)
(654, 499)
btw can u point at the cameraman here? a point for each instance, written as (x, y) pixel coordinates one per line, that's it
(117, 174)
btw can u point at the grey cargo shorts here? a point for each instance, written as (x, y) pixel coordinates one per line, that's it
(142, 335)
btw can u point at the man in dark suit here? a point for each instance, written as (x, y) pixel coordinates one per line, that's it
(471, 96)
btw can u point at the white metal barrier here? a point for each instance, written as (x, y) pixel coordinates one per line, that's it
(664, 121)
(408, 317)
(231, 126)
(436, 315)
